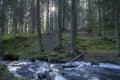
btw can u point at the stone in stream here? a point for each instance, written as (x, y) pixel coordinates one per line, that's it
(60, 77)
(46, 75)
(98, 77)
(112, 75)
(41, 76)
(25, 72)
(73, 77)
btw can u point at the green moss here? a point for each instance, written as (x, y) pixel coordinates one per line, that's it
(62, 51)
(66, 38)
(7, 36)
(91, 44)
(110, 29)
(6, 75)
(27, 46)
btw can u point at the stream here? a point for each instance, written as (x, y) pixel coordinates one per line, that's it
(63, 71)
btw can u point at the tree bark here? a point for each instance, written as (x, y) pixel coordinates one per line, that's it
(73, 26)
(1, 26)
(117, 34)
(33, 16)
(54, 16)
(63, 14)
(59, 29)
(47, 17)
(15, 30)
(99, 25)
(89, 16)
(39, 27)
(104, 19)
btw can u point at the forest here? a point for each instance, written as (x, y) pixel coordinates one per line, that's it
(59, 40)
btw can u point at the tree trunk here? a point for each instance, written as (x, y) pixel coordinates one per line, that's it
(15, 30)
(1, 44)
(104, 19)
(39, 27)
(54, 16)
(117, 34)
(47, 17)
(63, 14)
(89, 16)
(99, 25)
(78, 13)
(33, 16)
(51, 16)
(73, 25)
(59, 29)
(1, 26)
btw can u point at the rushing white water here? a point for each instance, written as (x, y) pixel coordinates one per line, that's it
(108, 65)
(59, 77)
(29, 69)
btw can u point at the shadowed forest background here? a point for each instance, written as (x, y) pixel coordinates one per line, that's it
(60, 30)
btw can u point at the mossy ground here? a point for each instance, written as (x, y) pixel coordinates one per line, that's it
(89, 43)
(27, 46)
(110, 29)
(6, 75)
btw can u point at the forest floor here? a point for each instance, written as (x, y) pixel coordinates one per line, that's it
(97, 48)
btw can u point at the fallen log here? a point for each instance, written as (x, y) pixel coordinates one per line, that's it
(74, 59)
(77, 57)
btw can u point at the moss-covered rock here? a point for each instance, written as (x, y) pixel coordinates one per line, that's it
(5, 74)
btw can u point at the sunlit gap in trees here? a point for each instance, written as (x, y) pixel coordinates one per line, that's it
(53, 9)
(1, 2)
